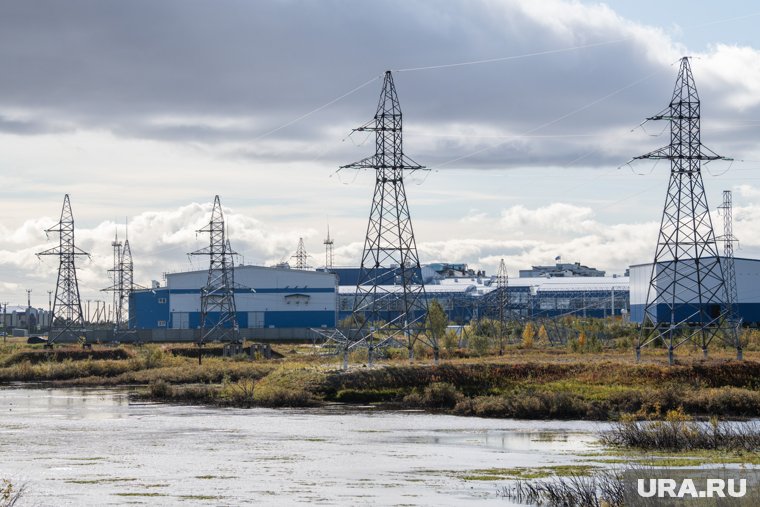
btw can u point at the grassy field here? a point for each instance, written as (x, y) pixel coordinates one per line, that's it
(530, 383)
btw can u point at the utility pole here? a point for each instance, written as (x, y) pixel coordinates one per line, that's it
(29, 310)
(5, 326)
(50, 311)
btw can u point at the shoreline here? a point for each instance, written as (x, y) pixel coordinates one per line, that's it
(529, 385)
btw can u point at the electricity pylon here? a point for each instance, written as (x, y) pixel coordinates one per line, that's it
(686, 297)
(729, 270)
(122, 275)
(502, 303)
(390, 305)
(128, 275)
(67, 318)
(218, 320)
(117, 286)
(301, 257)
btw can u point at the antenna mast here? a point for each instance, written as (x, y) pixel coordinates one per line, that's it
(329, 257)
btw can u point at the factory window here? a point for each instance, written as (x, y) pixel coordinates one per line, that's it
(161, 323)
(162, 301)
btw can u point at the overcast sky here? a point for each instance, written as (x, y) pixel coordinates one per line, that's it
(145, 110)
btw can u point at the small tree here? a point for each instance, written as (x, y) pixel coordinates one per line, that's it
(437, 320)
(450, 340)
(529, 332)
(543, 335)
(480, 344)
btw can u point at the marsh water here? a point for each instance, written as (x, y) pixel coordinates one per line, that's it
(104, 447)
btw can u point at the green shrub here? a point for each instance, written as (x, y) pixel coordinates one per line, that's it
(436, 395)
(275, 396)
(160, 389)
(479, 343)
(240, 393)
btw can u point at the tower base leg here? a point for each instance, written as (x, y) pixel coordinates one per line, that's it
(670, 355)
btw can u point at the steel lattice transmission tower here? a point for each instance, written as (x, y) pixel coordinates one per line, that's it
(502, 303)
(301, 257)
(729, 269)
(686, 297)
(67, 318)
(117, 279)
(122, 275)
(390, 305)
(218, 321)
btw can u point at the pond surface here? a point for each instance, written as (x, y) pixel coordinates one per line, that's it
(99, 447)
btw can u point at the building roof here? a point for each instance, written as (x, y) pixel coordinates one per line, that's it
(706, 257)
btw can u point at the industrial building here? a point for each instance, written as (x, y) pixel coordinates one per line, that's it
(281, 298)
(471, 296)
(747, 285)
(265, 298)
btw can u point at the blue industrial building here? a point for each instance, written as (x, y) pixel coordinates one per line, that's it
(747, 285)
(264, 298)
(282, 298)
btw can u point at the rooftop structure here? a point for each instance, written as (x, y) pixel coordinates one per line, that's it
(561, 270)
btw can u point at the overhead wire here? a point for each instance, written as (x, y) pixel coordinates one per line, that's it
(484, 61)
(555, 120)
(512, 57)
(313, 111)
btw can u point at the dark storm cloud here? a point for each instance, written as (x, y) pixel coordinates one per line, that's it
(127, 67)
